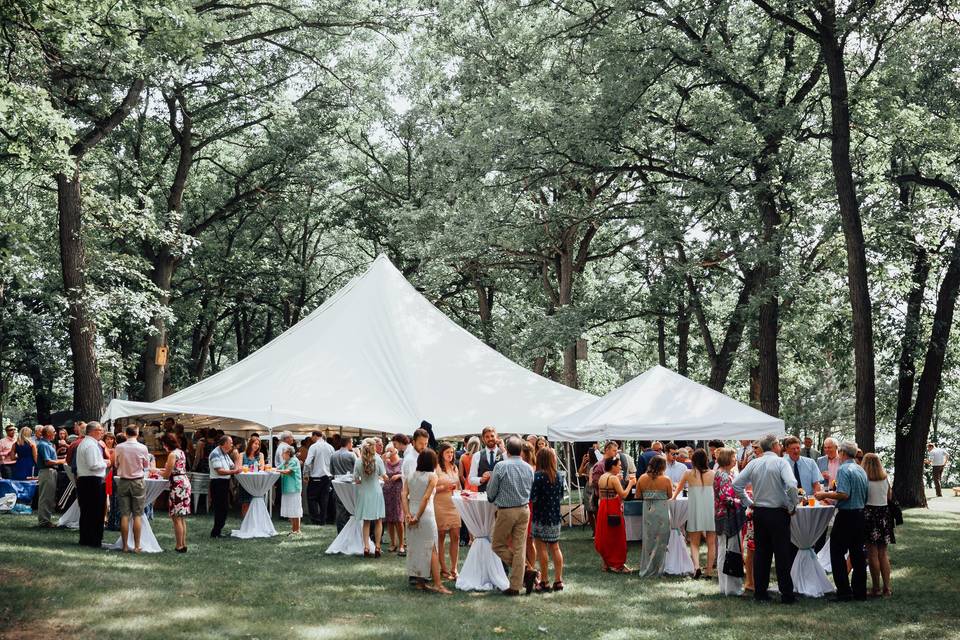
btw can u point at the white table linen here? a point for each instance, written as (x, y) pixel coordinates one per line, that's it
(71, 517)
(350, 539)
(148, 541)
(806, 527)
(678, 561)
(482, 569)
(633, 522)
(257, 523)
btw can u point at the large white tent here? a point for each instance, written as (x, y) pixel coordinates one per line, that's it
(376, 356)
(660, 404)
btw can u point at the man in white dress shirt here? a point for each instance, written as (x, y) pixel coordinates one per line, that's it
(316, 471)
(417, 444)
(91, 492)
(937, 458)
(490, 456)
(675, 468)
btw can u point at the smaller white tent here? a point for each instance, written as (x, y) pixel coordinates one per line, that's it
(660, 404)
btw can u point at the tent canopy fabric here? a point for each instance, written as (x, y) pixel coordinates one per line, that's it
(376, 356)
(660, 404)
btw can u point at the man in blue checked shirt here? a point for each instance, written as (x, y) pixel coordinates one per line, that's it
(849, 528)
(509, 489)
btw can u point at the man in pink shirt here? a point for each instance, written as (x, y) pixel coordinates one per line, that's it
(7, 450)
(133, 460)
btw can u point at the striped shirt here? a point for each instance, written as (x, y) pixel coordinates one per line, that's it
(510, 484)
(219, 459)
(852, 480)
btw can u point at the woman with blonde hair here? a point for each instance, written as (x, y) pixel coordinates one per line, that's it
(473, 445)
(879, 524)
(26, 450)
(368, 472)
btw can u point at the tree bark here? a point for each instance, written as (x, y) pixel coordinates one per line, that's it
(87, 389)
(865, 408)
(153, 374)
(661, 340)
(683, 338)
(768, 273)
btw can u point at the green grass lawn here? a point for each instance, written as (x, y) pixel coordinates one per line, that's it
(288, 588)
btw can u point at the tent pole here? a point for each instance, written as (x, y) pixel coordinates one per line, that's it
(567, 448)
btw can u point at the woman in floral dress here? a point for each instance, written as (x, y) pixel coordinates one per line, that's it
(179, 498)
(391, 498)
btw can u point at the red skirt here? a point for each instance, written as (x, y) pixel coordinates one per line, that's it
(109, 482)
(611, 542)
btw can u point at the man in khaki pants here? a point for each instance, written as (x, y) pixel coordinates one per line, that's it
(133, 462)
(509, 489)
(47, 462)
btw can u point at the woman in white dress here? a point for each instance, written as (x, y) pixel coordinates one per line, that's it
(423, 561)
(700, 511)
(368, 472)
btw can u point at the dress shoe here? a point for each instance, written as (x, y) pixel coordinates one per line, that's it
(529, 579)
(510, 592)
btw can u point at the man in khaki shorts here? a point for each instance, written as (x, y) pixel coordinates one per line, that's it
(133, 459)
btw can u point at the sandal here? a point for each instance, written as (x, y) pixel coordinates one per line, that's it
(377, 553)
(402, 552)
(558, 585)
(542, 587)
(886, 593)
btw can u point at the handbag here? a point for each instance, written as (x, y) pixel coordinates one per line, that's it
(733, 564)
(614, 520)
(895, 511)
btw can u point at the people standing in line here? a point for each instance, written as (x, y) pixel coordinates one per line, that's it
(849, 527)
(252, 455)
(316, 470)
(485, 460)
(47, 463)
(879, 524)
(368, 472)
(807, 450)
(178, 500)
(774, 501)
(132, 461)
(700, 511)
(509, 488)
(729, 520)
(291, 484)
(448, 518)
(341, 464)
(546, 493)
(91, 495)
(392, 497)
(937, 459)
(423, 561)
(221, 468)
(26, 455)
(411, 457)
(610, 538)
(8, 452)
(654, 488)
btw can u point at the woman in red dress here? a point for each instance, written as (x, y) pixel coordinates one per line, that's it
(610, 539)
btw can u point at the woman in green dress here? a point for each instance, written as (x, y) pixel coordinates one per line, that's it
(655, 488)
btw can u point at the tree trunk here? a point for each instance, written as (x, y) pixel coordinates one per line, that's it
(661, 340)
(87, 388)
(909, 455)
(683, 338)
(41, 389)
(833, 56)
(153, 374)
(768, 367)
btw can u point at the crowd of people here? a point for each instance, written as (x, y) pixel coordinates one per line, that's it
(739, 500)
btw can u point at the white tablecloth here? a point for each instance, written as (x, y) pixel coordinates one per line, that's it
(257, 523)
(678, 561)
(350, 540)
(632, 523)
(482, 570)
(71, 517)
(806, 527)
(148, 541)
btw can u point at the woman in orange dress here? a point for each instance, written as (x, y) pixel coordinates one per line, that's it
(610, 539)
(448, 518)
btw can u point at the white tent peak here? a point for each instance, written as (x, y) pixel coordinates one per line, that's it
(377, 356)
(662, 404)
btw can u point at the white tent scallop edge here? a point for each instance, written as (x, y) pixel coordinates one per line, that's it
(661, 404)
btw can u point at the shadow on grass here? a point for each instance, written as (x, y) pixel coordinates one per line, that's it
(288, 588)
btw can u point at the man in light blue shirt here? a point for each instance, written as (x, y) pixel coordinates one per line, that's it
(774, 501)
(805, 470)
(849, 528)
(509, 489)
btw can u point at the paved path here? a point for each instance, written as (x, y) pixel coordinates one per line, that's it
(947, 503)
